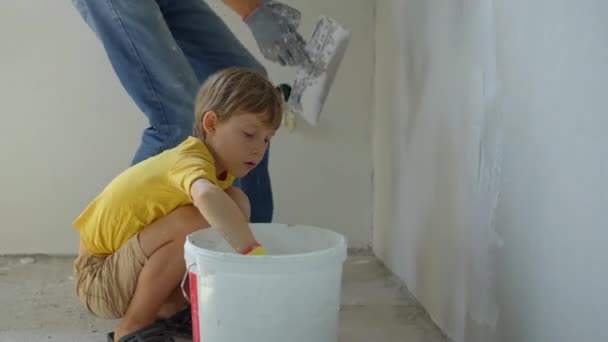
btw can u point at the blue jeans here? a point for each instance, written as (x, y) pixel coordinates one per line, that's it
(162, 50)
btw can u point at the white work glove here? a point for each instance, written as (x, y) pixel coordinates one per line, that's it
(274, 27)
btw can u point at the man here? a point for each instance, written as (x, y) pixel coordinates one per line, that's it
(162, 50)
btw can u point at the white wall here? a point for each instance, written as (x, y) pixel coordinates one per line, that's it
(490, 164)
(63, 108)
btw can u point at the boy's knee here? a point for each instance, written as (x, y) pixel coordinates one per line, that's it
(239, 197)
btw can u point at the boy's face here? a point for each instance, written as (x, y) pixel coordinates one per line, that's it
(238, 143)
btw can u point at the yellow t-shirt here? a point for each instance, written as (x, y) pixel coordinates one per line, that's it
(143, 193)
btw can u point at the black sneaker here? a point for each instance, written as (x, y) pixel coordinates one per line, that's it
(155, 332)
(180, 324)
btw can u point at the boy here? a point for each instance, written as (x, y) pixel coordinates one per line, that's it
(131, 257)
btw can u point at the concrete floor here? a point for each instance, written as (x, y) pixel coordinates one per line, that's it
(39, 304)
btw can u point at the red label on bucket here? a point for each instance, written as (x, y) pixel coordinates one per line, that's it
(196, 336)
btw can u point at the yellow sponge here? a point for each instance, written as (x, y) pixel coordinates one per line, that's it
(259, 250)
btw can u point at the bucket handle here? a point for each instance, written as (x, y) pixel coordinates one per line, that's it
(184, 281)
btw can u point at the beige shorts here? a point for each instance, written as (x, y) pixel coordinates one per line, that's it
(105, 284)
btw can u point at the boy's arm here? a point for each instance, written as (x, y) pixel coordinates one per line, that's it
(223, 213)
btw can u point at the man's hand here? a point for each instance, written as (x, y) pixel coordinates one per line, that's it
(292, 15)
(274, 27)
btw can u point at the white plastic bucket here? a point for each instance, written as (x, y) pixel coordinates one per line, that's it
(292, 294)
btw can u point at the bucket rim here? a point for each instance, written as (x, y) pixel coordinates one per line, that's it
(338, 249)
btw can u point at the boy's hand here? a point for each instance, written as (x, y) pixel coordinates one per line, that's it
(274, 27)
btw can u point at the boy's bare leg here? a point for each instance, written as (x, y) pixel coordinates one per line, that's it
(175, 303)
(163, 244)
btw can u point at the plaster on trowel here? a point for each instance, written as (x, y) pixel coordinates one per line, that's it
(326, 48)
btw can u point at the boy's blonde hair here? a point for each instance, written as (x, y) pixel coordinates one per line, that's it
(234, 91)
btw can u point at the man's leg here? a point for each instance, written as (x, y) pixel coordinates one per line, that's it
(210, 46)
(151, 67)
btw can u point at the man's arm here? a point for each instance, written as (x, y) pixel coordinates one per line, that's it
(222, 213)
(242, 7)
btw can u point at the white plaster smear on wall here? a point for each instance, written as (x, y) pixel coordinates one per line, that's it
(449, 161)
(490, 165)
(482, 306)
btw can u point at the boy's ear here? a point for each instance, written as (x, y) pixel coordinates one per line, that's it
(210, 121)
